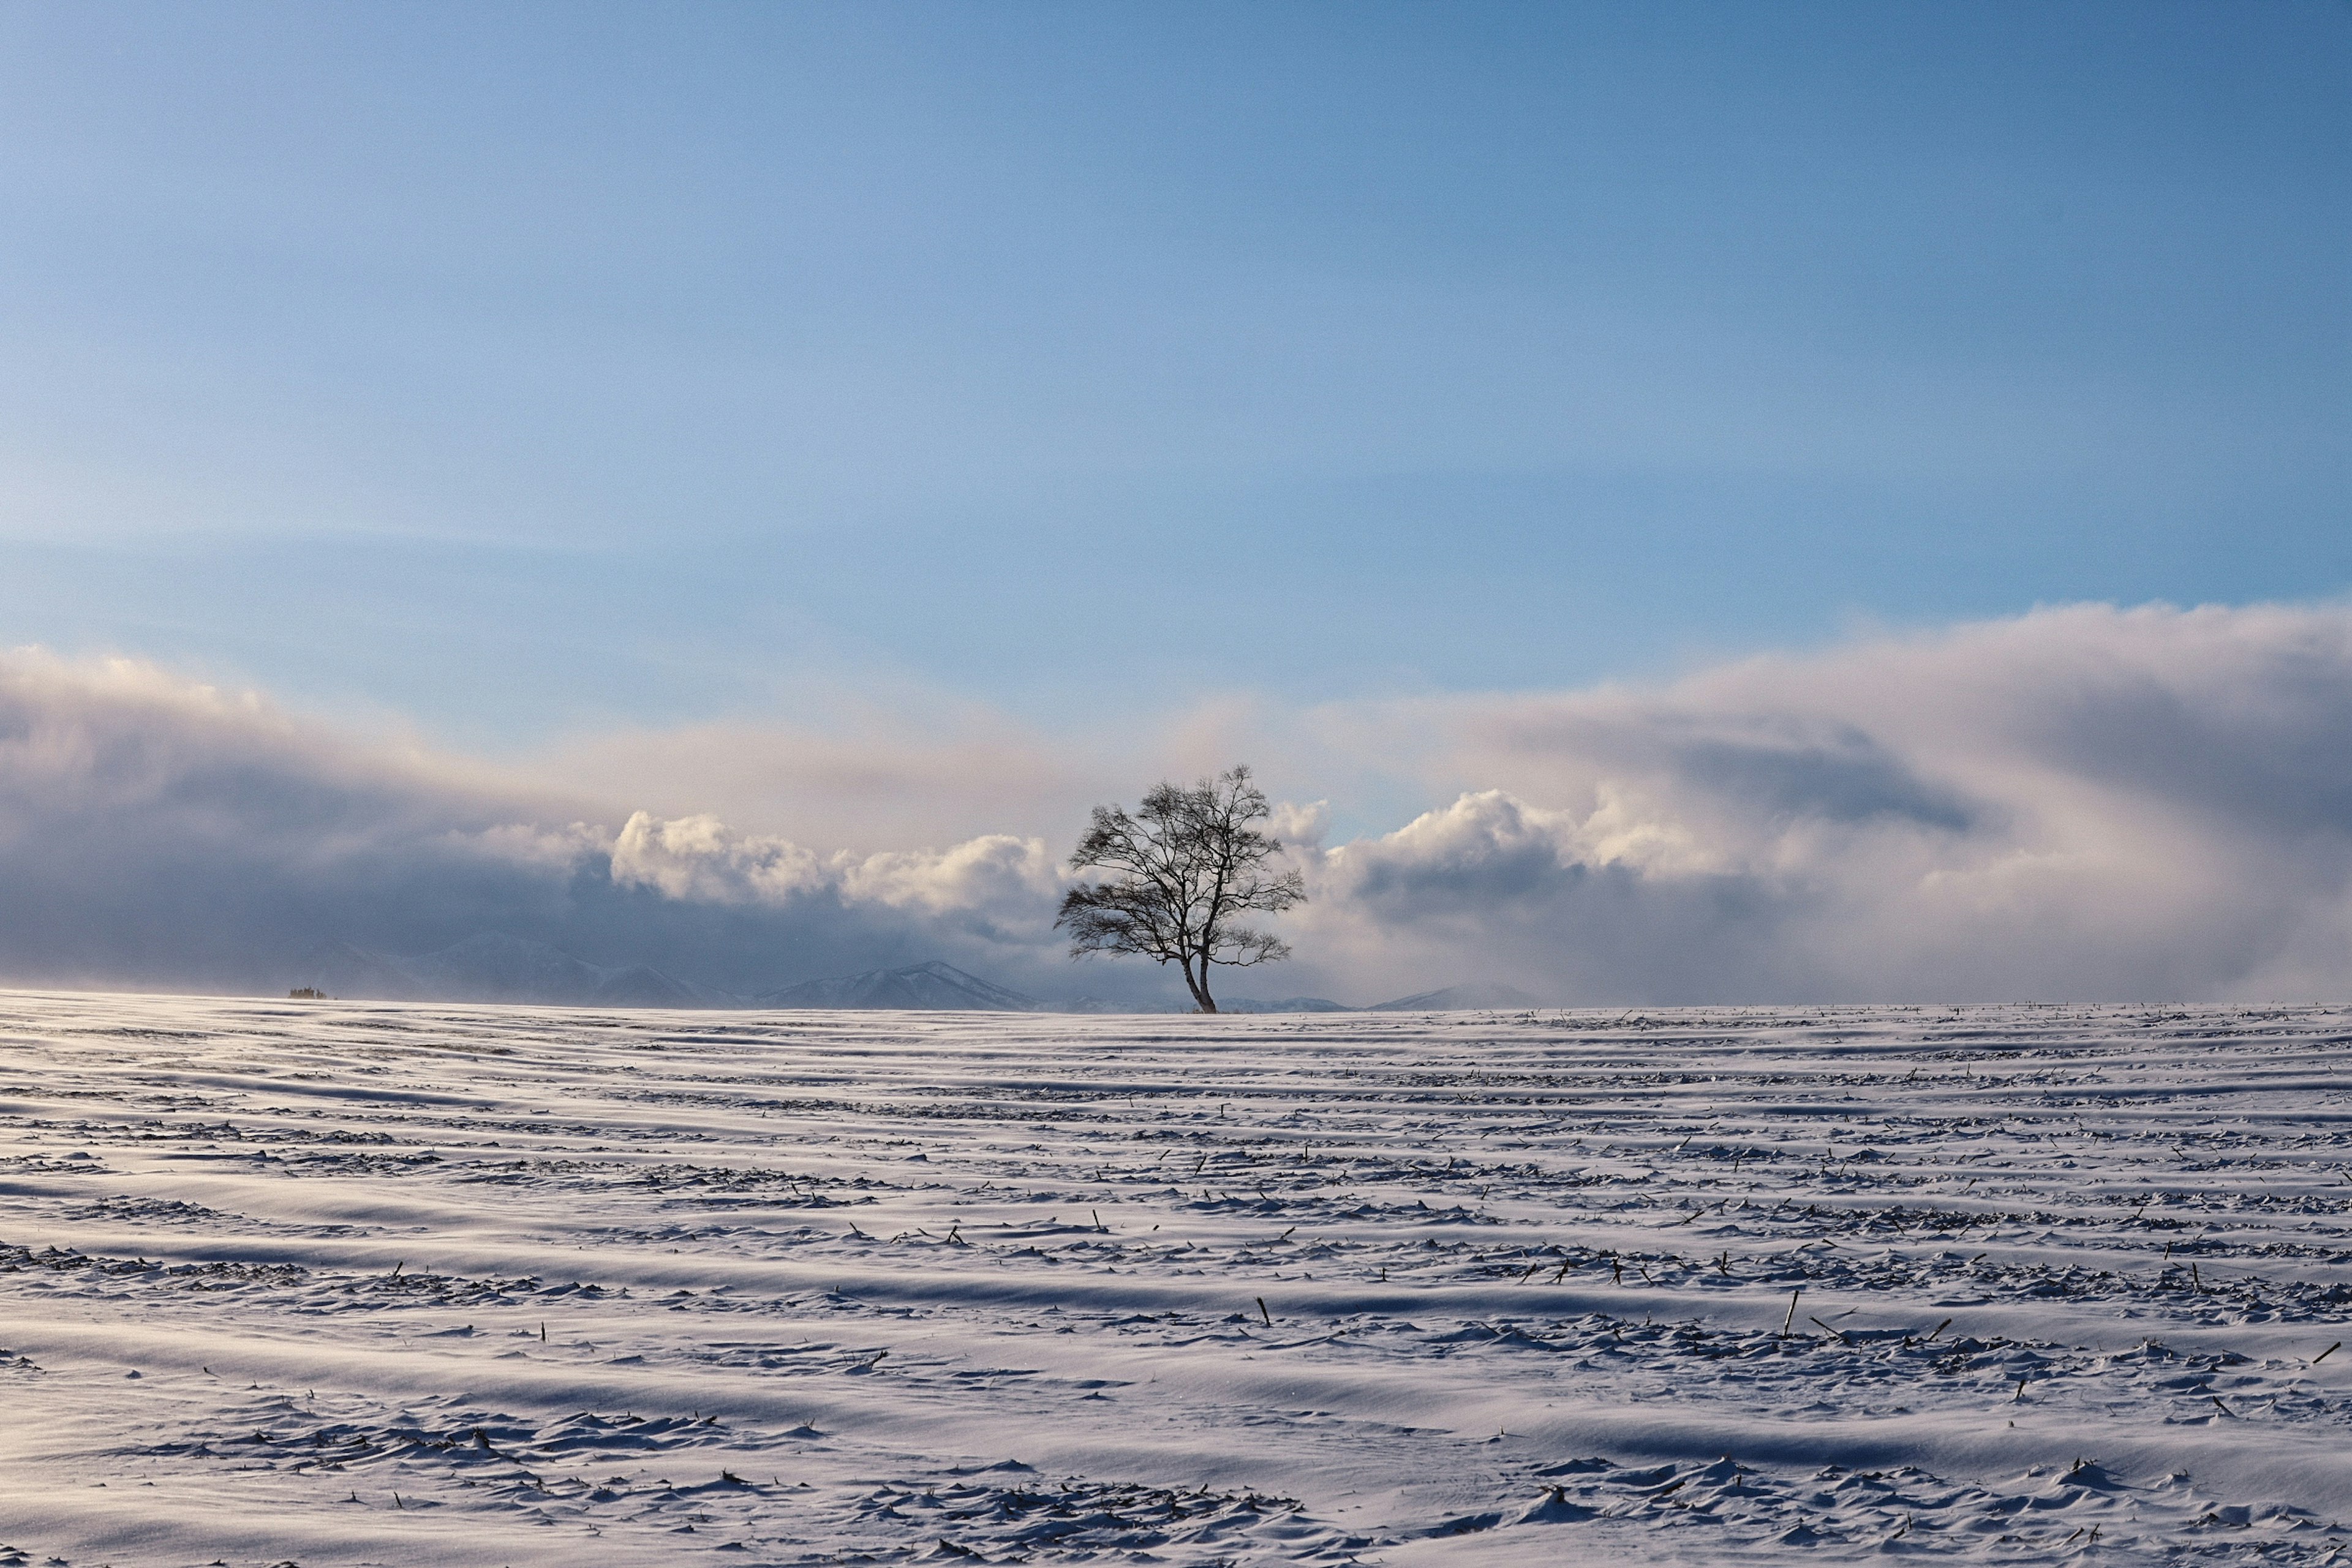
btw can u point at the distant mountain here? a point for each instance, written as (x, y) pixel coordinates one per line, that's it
(495, 967)
(338, 969)
(929, 987)
(1455, 998)
(492, 966)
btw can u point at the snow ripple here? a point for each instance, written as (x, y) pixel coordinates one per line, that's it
(412, 1284)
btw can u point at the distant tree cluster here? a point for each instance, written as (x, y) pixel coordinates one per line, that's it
(1179, 871)
(305, 993)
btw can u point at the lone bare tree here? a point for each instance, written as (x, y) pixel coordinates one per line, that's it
(1181, 869)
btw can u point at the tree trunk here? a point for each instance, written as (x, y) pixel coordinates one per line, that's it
(1200, 988)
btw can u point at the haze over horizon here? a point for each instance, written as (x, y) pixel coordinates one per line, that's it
(1679, 503)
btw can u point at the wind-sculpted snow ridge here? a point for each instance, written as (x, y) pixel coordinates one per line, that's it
(355, 1283)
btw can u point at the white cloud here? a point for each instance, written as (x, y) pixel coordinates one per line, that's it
(1301, 828)
(2083, 802)
(997, 886)
(878, 782)
(699, 857)
(1012, 883)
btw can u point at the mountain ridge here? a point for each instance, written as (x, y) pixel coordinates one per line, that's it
(1459, 998)
(499, 967)
(932, 986)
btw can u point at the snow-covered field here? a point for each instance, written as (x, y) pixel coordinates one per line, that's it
(353, 1283)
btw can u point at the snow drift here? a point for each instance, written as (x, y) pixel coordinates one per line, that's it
(458, 1286)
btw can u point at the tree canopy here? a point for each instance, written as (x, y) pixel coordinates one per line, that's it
(1179, 871)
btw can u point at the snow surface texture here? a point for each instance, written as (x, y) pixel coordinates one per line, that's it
(347, 1283)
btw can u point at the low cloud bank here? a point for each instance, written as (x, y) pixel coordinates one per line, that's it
(2079, 803)
(158, 832)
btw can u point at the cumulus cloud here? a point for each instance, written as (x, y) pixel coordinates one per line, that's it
(2083, 802)
(158, 831)
(2080, 802)
(996, 886)
(1004, 886)
(1301, 827)
(698, 858)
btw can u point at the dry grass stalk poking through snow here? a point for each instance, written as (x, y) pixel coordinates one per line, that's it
(335, 1283)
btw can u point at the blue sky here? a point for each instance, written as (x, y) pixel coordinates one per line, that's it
(1660, 492)
(516, 371)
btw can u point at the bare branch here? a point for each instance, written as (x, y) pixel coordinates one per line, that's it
(1179, 871)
